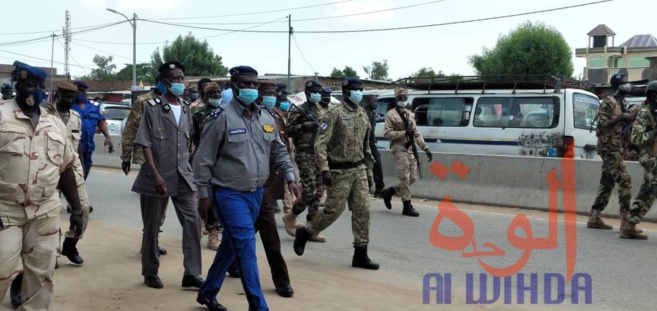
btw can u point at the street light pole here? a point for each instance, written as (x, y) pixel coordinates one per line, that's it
(133, 23)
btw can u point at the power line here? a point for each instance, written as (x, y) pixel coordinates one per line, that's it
(331, 17)
(41, 59)
(47, 38)
(303, 56)
(388, 29)
(51, 31)
(253, 13)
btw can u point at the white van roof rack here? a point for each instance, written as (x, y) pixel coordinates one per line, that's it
(493, 82)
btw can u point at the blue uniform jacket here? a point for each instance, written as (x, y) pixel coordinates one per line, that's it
(91, 117)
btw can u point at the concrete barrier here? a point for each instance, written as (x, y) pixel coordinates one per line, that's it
(511, 181)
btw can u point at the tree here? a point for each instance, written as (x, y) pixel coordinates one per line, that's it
(427, 72)
(529, 49)
(346, 72)
(197, 57)
(144, 73)
(378, 70)
(105, 70)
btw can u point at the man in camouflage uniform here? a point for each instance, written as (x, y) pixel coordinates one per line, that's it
(200, 101)
(346, 163)
(612, 117)
(401, 130)
(133, 153)
(200, 113)
(302, 127)
(644, 132)
(283, 108)
(36, 158)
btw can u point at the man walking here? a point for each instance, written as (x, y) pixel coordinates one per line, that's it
(377, 171)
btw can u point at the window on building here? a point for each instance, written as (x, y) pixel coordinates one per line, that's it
(517, 112)
(638, 62)
(443, 111)
(596, 62)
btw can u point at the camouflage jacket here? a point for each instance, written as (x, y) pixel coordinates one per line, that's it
(302, 139)
(130, 151)
(643, 136)
(610, 138)
(199, 116)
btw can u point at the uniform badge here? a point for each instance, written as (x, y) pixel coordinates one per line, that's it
(23, 74)
(166, 107)
(346, 118)
(237, 131)
(172, 66)
(345, 82)
(324, 126)
(309, 83)
(268, 128)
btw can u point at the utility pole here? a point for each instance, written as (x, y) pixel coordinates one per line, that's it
(133, 23)
(67, 45)
(289, 50)
(52, 57)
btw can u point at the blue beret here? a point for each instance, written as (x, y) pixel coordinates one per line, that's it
(81, 84)
(242, 70)
(312, 83)
(351, 83)
(22, 71)
(168, 66)
(327, 90)
(281, 89)
(6, 86)
(616, 78)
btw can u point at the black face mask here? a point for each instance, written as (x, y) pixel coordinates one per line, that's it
(64, 104)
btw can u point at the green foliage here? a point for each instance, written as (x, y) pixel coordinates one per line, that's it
(425, 72)
(105, 70)
(346, 72)
(197, 57)
(378, 70)
(144, 73)
(529, 49)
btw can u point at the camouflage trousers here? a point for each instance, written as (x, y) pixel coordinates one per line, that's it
(33, 242)
(349, 188)
(614, 172)
(311, 184)
(647, 192)
(406, 166)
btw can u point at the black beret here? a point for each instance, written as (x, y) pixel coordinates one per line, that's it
(351, 83)
(168, 66)
(312, 83)
(242, 70)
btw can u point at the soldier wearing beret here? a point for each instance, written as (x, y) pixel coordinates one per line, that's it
(91, 118)
(7, 91)
(346, 163)
(29, 206)
(165, 135)
(210, 101)
(302, 127)
(239, 145)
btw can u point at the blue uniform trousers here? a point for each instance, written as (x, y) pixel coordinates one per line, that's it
(237, 212)
(86, 157)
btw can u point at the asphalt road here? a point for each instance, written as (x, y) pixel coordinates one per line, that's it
(622, 272)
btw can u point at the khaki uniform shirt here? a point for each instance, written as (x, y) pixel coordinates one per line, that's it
(395, 131)
(169, 142)
(74, 128)
(130, 151)
(31, 161)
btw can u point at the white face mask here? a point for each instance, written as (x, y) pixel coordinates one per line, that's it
(401, 104)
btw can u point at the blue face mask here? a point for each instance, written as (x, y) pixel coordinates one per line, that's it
(32, 99)
(268, 101)
(356, 96)
(315, 97)
(177, 89)
(285, 106)
(161, 87)
(226, 96)
(81, 98)
(248, 96)
(214, 102)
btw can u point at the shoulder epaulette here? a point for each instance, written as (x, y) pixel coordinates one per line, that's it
(154, 101)
(185, 102)
(215, 114)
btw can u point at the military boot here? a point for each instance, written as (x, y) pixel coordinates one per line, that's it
(15, 291)
(409, 210)
(387, 194)
(70, 250)
(596, 222)
(301, 237)
(291, 222)
(213, 239)
(624, 222)
(629, 232)
(361, 260)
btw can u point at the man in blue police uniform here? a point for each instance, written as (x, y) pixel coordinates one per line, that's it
(239, 143)
(91, 117)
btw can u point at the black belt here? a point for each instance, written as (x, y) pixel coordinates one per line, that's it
(345, 165)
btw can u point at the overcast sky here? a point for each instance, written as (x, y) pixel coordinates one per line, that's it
(445, 48)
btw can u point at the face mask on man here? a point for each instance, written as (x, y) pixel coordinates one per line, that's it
(247, 96)
(285, 106)
(33, 98)
(177, 88)
(315, 97)
(355, 96)
(214, 102)
(269, 101)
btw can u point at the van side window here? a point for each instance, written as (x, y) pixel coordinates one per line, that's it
(443, 111)
(517, 112)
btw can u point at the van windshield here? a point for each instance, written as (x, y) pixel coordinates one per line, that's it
(584, 109)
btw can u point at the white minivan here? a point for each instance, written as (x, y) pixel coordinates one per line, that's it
(521, 119)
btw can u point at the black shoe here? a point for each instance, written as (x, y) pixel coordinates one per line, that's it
(15, 291)
(91, 209)
(192, 281)
(301, 236)
(409, 210)
(285, 290)
(161, 251)
(361, 260)
(153, 281)
(234, 270)
(70, 250)
(377, 193)
(387, 194)
(212, 304)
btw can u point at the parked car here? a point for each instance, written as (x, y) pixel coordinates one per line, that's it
(115, 116)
